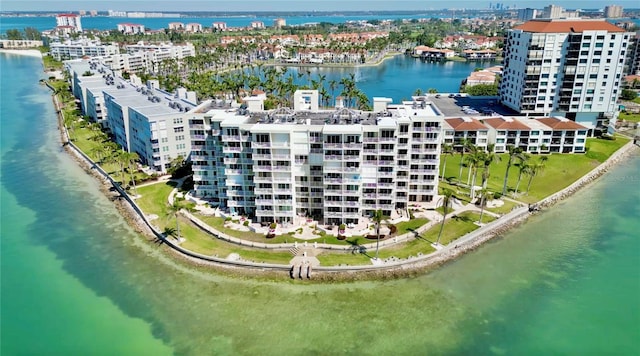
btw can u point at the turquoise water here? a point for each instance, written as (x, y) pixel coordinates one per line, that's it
(397, 77)
(77, 280)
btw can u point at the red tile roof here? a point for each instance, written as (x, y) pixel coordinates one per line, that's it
(559, 124)
(505, 124)
(567, 26)
(460, 124)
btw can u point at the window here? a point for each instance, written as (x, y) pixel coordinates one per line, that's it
(164, 140)
(599, 45)
(178, 129)
(177, 121)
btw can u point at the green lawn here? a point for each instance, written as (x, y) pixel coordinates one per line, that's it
(505, 208)
(455, 227)
(560, 170)
(153, 198)
(411, 225)
(629, 117)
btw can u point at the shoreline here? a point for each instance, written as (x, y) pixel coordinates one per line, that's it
(22, 52)
(404, 268)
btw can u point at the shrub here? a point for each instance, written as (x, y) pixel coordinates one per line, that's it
(497, 195)
(392, 229)
(273, 225)
(342, 227)
(246, 223)
(228, 218)
(411, 215)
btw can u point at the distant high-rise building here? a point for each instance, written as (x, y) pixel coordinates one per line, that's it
(82, 12)
(527, 14)
(613, 11)
(552, 12)
(562, 67)
(93, 12)
(279, 23)
(69, 21)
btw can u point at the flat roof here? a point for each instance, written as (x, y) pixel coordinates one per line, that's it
(567, 26)
(454, 106)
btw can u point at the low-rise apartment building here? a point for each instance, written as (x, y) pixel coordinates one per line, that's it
(72, 49)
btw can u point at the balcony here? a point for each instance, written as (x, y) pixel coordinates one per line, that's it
(257, 168)
(229, 138)
(232, 171)
(260, 144)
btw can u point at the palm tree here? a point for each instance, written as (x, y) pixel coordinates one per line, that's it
(432, 91)
(473, 161)
(131, 158)
(417, 92)
(514, 153)
(523, 168)
(122, 159)
(489, 157)
(378, 218)
(448, 193)
(483, 202)
(447, 149)
(174, 209)
(464, 143)
(535, 169)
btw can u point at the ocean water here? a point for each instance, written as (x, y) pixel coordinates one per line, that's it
(77, 280)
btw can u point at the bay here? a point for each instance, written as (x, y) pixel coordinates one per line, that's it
(77, 280)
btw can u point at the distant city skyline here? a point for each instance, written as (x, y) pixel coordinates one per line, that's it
(300, 5)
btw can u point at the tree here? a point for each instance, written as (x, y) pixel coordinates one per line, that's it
(378, 218)
(174, 209)
(32, 33)
(523, 168)
(131, 159)
(482, 90)
(483, 202)
(628, 94)
(488, 157)
(535, 169)
(432, 91)
(465, 144)
(473, 160)
(417, 92)
(446, 200)
(446, 150)
(514, 153)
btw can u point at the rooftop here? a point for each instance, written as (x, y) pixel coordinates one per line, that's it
(560, 123)
(505, 123)
(567, 26)
(465, 124)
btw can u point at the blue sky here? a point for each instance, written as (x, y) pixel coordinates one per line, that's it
(290, 5)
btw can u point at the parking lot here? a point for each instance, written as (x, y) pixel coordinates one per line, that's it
(451, 105)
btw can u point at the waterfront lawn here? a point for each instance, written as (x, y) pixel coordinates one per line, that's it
(560, 170)
(344, 258)
(455, 227)
(504, 209)
(203, 243)
(410, 226)
(154, 198)
(412, 248)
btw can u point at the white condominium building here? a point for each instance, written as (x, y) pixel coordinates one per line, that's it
(69, 20)
(81, 48)
(334, 165)
(569, 68)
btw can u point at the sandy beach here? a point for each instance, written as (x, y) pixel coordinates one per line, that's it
(23, 52)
